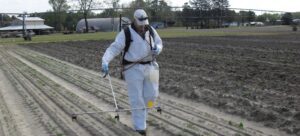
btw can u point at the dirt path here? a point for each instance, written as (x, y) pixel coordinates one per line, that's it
(54, 89)
(6, 120)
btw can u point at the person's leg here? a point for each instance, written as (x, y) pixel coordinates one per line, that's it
(134, 79)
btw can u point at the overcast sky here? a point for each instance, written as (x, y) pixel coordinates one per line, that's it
(18, 6)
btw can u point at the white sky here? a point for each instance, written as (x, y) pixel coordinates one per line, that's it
(19, 6)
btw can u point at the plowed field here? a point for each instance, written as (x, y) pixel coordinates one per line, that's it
(230, 85)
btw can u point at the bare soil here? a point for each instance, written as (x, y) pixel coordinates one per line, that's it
(227, 85)
(52, 90)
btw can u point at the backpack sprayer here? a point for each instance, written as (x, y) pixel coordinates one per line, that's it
(150, 105)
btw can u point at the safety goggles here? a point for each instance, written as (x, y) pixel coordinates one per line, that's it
(142, 19)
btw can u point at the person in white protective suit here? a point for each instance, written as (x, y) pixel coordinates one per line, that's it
(140, 70)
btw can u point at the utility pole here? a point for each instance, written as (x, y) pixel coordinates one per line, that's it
(26, 36)
(24, 25)
(2, 20)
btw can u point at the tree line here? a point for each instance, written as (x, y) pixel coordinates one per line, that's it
(65, 14)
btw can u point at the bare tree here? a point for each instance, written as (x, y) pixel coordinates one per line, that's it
(85, 7)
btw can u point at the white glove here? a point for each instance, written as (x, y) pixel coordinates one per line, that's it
(105, 68)
(155, 51)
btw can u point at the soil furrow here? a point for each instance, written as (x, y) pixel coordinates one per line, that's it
(86, 86)
(48, 86)
(45, 103)
(31, 102)
(66, 74)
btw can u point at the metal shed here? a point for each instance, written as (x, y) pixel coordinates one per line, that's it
(102, 24)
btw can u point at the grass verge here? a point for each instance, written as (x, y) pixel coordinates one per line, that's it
(100, 36)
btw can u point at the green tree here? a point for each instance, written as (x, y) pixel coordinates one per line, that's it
(261, 18)
(230, 16)
(133, 6)
(139, 3)
(159, 10)
(5, 20)
(251, 16)
(71, 21)
(200, 4)
(242, 17)
(59, 7)
(268, 18)
(246, 16)
(153, 9)
(220, 8)
(108, 13)
(111, 11)
(49, 17)
(200, 13)
(186, 14)
(287, 18)
(296, 15)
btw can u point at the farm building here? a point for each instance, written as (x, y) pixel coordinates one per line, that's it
(34, 24)
(102, 24)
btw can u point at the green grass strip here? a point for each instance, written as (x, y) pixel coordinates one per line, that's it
(100, 36)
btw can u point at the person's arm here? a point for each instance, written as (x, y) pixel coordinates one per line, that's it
(114, 49)
(157, 42)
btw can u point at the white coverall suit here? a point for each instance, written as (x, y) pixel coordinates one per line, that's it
(142, 79)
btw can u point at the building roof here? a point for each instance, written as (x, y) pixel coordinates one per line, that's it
(30, 18)
(28, 27)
